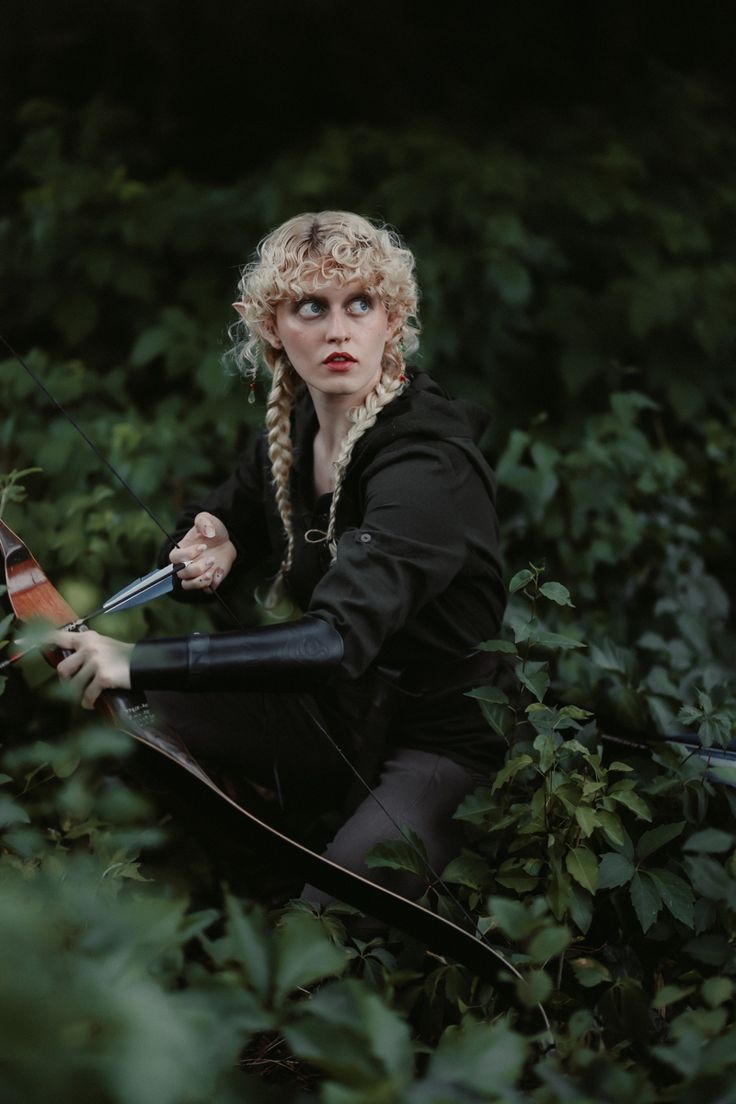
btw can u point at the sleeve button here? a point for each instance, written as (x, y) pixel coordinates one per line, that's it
(364, 538)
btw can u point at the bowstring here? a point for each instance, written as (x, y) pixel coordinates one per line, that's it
(108, 464)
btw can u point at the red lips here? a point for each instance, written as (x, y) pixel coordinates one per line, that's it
(339, 358)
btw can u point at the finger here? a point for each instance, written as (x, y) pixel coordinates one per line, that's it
(186, 551)
(205, 525)
(70, 666)
(217, 578)
(195, 569)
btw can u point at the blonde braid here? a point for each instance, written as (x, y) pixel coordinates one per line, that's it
(281, 452)
(363, 417)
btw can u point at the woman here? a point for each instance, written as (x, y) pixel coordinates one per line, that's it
(369, 486)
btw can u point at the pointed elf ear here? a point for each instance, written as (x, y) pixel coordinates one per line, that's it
(271, 334)
(240, 308)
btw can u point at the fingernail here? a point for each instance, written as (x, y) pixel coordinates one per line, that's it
(209, 531)
(201, 548)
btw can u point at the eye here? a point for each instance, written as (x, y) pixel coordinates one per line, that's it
(309, 308)
(361, 305)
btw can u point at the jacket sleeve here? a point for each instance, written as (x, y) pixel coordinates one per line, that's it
(427, 512)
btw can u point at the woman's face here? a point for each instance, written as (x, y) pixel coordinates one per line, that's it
(334, 337)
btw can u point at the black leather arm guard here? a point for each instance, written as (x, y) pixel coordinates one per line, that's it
(291, 657)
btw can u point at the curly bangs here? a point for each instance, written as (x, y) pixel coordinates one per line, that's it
(318, 248)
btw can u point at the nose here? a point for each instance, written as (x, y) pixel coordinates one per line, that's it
(338, 328)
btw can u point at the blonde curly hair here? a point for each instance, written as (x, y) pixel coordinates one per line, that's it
(321, 247)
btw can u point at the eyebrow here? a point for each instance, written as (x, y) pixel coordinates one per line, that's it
(317, 298)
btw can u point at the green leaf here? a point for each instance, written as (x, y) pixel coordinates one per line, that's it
(401, 854)
(582, 865)
(535, 677)
(581, 907)
(304, 954)
(632, 801)
(498, 646)
(500, 717)
(150, 344)
(468, 869)
(676, 894)
(657, 837)
(556, 592)
(491, 694)
(710, 878)
(11, 812)
(717, 990)
(510, 770)
(534, 988)
(477, 1055)
(589, 972)
(615, 870)
(531, 632)
(247, 943)
(587, 818)
(513, 918)
(671, 994)
(612, 827)
(710, 840)
(645, 899)
(548, 943)
(476, 806)
(520, 580)
(546, 746)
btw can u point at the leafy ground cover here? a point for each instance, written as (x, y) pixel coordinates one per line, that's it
(602, 319)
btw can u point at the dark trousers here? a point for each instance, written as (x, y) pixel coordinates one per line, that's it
(279, 741)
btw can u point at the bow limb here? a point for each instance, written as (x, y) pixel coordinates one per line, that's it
(32, 595)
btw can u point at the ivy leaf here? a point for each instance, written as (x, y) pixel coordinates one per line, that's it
(514, 919)
(535, 677)
(498, 646)
(11, 812)
(491, 694)
(587, 818)
(556, 592)
(612, 827)
(548, 943)
(400, 854)
(582, 865)
(645, 899)
(632, 801)
(710, 840)
(581, 908)
(304, 954)
(545, 745)
(520, 579)
(657, 837)
(677, 895)
(615, 870)
(510, 770)
(477, 1055)
(468, 869)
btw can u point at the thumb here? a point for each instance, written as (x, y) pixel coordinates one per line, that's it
(207, 525)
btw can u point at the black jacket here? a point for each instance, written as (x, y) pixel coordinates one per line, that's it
(417, 580)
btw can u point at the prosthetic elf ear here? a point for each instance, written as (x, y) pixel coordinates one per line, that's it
(240, 308)
(270, 333)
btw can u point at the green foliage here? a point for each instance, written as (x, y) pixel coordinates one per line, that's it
(583, 291)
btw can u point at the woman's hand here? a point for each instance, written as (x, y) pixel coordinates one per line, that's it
(97, 663)
(210, 553)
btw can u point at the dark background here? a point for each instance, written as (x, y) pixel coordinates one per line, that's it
(214, 89)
